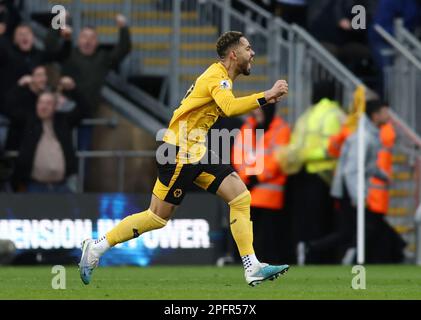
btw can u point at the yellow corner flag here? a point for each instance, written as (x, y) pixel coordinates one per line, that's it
(358, 108)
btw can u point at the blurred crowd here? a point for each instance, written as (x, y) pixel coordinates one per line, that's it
(304, 201)
(363, 50)
(45, 92)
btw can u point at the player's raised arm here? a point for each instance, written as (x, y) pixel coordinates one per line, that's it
(232, 106)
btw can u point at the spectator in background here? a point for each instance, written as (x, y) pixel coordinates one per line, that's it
(384, 15)
(88, 66)
(324, 18)
(46, 154)
(292, 11)
(271, 227)
(21, 57)
(353, 50)
(249, 13)
(22, 100)
(337, 35)
(310, 202)
(9, 18)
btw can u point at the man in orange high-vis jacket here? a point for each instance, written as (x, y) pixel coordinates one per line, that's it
(389, 247)
(378, 191)
(336, 141)
(253, 157)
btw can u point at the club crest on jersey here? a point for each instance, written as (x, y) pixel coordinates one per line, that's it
(178, 193)
(225, 84)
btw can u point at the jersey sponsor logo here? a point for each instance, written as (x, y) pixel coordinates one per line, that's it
(225, 84)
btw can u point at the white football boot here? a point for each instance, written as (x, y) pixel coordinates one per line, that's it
(265, 272)
(88, 261)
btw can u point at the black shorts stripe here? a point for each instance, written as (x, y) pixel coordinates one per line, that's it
(214, 186)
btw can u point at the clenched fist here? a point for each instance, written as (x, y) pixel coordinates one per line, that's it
(281, 87)
(278, 91)
(25, 80)
(67, 83)
(66, 32)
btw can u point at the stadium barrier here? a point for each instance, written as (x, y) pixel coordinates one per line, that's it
(418, 236)
(93, 122)
(405, 190)
(407, 39)
(119, 155)
(402, 81)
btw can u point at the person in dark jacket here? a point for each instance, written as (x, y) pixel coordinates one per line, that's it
(336, 33)
(327, 31)
(89, 65)
(292, 11)
(22, 99)
(46, 154)
(9, 17)
(21, 57)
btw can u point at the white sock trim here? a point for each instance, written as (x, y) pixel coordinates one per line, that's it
(100, 246)
(250, 262)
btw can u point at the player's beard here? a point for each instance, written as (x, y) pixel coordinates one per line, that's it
(246, 68)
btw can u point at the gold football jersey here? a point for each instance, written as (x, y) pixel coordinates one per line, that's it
(207, 99)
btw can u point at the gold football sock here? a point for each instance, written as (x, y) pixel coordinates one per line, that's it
(241, 226)
(133, 226)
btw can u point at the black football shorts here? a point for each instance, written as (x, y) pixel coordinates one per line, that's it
(175, 178)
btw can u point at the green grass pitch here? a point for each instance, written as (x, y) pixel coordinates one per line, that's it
(195, 282)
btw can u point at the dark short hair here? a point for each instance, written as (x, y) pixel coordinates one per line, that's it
(51, 92)
(226, 41)
(39, 65)
(48, 91)
(24, 25)
(373, 106)
(323, 89)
